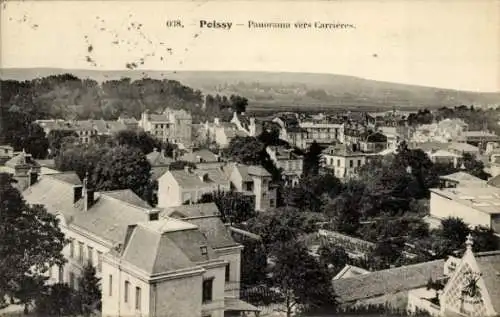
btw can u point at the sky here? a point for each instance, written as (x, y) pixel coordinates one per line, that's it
(450, 44)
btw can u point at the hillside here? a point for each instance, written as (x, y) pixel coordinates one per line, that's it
(279, 91)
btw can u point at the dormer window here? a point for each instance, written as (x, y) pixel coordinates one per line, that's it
(203, 250)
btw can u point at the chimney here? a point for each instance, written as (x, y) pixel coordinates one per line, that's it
(32, 177)
(187, 169)
(163, 152)
(153, 214)
(77, 193)
(87, 194)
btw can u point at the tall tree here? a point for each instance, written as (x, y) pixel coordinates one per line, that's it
(89, 290)
(31, 239)
(312, 159)
(302, 283)
(246, 150)
(234, 207)
(124, 167)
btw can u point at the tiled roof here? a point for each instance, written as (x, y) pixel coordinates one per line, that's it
(191, 211)
(204, 154)
(387, 281)
(462, 177)
(217, 234)
(158, 117)
(215, 175)
(187, 179)
(246, 171)
(485, 199)
(158, 171)
(107, 218)
(489, 264)
(462, 147)
(22, 159)
(129, 197)
(343, 150)
(494, 181)
(68, 177)
(156, 252)
(156, 158)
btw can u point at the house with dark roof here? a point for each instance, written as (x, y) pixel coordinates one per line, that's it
(177, 187)
(150, 264)
(471, 287)
(252, 180)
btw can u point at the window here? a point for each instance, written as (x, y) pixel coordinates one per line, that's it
(228, 272)
(207, 290)
(125, 291)
(80, 252)
(359, 163)
(90, 255)
(138, 298)
(271, 202)
(203, 250)
(71, 248)
(99, 261)
(351, 163)
(110, 291)
(61, 274)
(338, 162)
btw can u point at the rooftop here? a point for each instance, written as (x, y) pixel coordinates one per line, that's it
(191, 211)
(485, 199)
(462, 177)
(388, 281)
(167, 225)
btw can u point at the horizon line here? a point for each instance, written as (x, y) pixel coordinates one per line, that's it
(70, 70)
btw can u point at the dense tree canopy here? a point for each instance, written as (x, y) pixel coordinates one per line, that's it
(31, 240)
(124, 167)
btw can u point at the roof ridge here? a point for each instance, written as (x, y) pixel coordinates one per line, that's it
(103, 193)
(60, 180)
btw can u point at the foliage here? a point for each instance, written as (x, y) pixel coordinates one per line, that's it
(234, 207)
(311, 192)
(253, 263)
(56, 139)
(334, 255)
(123, 167)
(31, 239)
(88, 289)
(59, 300)
(302, 283)
(312, 159)
(138, 139)
(80, 158)
(246, 150)
(282, 224)
(28, 289)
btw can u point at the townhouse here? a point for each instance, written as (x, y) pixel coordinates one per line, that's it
(344, 160)
(187, 186)
(253, 180)
(174, 126)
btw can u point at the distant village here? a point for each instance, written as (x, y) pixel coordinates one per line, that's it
(183, 253)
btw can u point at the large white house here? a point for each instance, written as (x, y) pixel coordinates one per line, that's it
(151, 263)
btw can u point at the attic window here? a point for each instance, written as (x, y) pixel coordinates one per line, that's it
(203, 250)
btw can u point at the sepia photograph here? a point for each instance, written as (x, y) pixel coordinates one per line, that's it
(250, 158)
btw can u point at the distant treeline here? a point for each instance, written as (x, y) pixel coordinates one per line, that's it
(68, 97)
